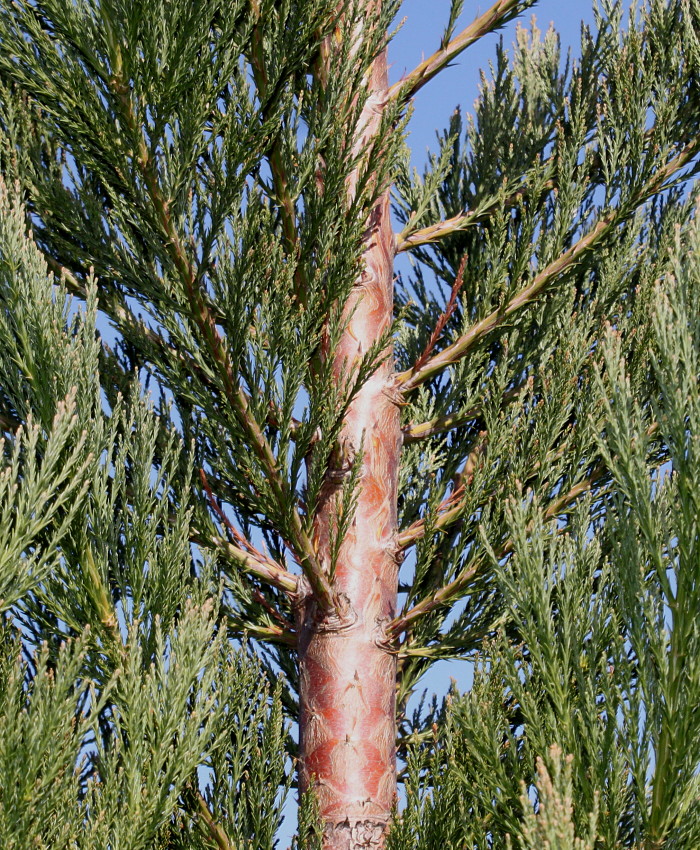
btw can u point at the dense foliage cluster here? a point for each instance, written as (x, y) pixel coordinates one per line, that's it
(176, 247)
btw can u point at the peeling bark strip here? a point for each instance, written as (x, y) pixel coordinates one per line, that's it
(347, 677)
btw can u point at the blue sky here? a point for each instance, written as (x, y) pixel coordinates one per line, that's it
(420, 36)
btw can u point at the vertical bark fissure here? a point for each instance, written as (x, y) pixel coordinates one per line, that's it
(347, 675)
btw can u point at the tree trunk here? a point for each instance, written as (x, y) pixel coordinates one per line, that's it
(347, 675)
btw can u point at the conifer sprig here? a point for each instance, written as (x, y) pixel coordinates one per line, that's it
(180, 469)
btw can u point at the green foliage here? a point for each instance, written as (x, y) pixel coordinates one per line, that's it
(130, 698)
(553, 826)
(115, 763)
(587, 699)
(310, 833)
(181, 171)
(47, 465)
(563, 233)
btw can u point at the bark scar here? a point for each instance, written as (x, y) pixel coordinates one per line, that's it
(313, 617)
(382, 640)
(348, 835)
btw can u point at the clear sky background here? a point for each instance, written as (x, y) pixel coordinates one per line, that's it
(419, 37)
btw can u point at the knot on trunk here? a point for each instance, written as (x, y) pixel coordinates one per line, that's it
(311, 618)
(353, 836)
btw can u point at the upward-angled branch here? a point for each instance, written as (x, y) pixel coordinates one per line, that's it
(450, 307)
(484, 24)
(206, 323)
(250, 561)
(244, 553)
(452, 590)
(435, 232)
(413, 378)
(590, 171)
(414, 431)
(266, 570)
(408, 238)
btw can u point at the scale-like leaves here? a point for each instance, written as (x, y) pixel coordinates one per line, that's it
(191, 174)
(585, 704)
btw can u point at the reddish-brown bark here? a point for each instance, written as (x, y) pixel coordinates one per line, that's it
(347, 674)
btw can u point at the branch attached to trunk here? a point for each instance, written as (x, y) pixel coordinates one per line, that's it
(242, 551)
(250, 560)
(657, 183)
(450, 513)
(454, 589)
(267, 634)
(408, 239)
(263, 568)
(481, 26)
(435, 232)
(457, 350)
(451, 591)
(206, 323)
(452, 508)
(415, 431)
(441, 597)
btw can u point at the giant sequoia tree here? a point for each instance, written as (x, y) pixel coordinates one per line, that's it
(280, 482)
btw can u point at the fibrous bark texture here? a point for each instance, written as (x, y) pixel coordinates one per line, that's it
(347, 674)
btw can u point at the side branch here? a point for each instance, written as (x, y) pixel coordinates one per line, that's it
(431, 67)
(268, 633)
(450, 307)
(413, 378)
(415, 431)
(451, 591)
(265, 569)
(408, 239)
(244, 553)
(206, 323)
(450, 511)
(435, 232)
(657, 183)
